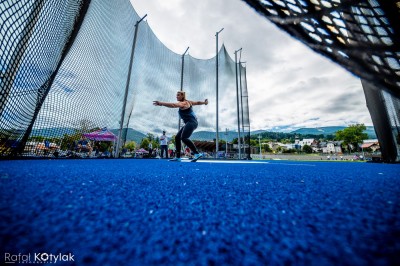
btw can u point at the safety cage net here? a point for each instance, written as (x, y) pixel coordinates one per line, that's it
(76, 68)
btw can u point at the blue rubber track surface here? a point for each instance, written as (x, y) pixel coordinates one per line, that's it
(155, 212)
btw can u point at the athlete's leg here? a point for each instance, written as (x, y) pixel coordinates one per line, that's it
(178, 144)
(186, 133)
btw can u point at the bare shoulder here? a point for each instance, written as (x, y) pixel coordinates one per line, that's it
(185, 104)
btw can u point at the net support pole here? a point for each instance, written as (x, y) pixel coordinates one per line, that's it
(241, 101)
(242, 109)
(182, 68)
(247, 113)
(237, 102)
(121, 124)
(216, 96)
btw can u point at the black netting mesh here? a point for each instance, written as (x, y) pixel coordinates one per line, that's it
(361, 35)
(65, 67)
(34, 37)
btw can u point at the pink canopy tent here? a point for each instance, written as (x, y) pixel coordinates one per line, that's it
(101, 135)
(141, 150)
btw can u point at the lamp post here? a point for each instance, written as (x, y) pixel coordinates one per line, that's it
(216, 69)
(226, 143)
(259, 143)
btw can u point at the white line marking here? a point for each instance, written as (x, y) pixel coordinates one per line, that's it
(245, 162)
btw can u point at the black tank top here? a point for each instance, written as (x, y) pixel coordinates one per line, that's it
(187, 115)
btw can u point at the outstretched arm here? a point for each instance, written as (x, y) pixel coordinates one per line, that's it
(170, 105)
(205, 102)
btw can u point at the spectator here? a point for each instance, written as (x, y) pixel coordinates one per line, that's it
(164, 145)
(84, 145)
(171, 149)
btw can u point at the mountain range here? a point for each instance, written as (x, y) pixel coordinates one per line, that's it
(134, 135)
(318, 131)
(207, 135)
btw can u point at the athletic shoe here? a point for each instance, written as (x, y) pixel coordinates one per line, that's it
(196, 157)
(175, 160)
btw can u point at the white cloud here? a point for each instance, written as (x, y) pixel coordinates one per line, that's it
(288, 84)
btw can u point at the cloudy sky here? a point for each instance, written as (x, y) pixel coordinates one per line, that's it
(289, 85)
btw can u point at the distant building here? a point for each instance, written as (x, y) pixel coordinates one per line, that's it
(299, 144)
(308, 142)
(331, 147)
(370, 144)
